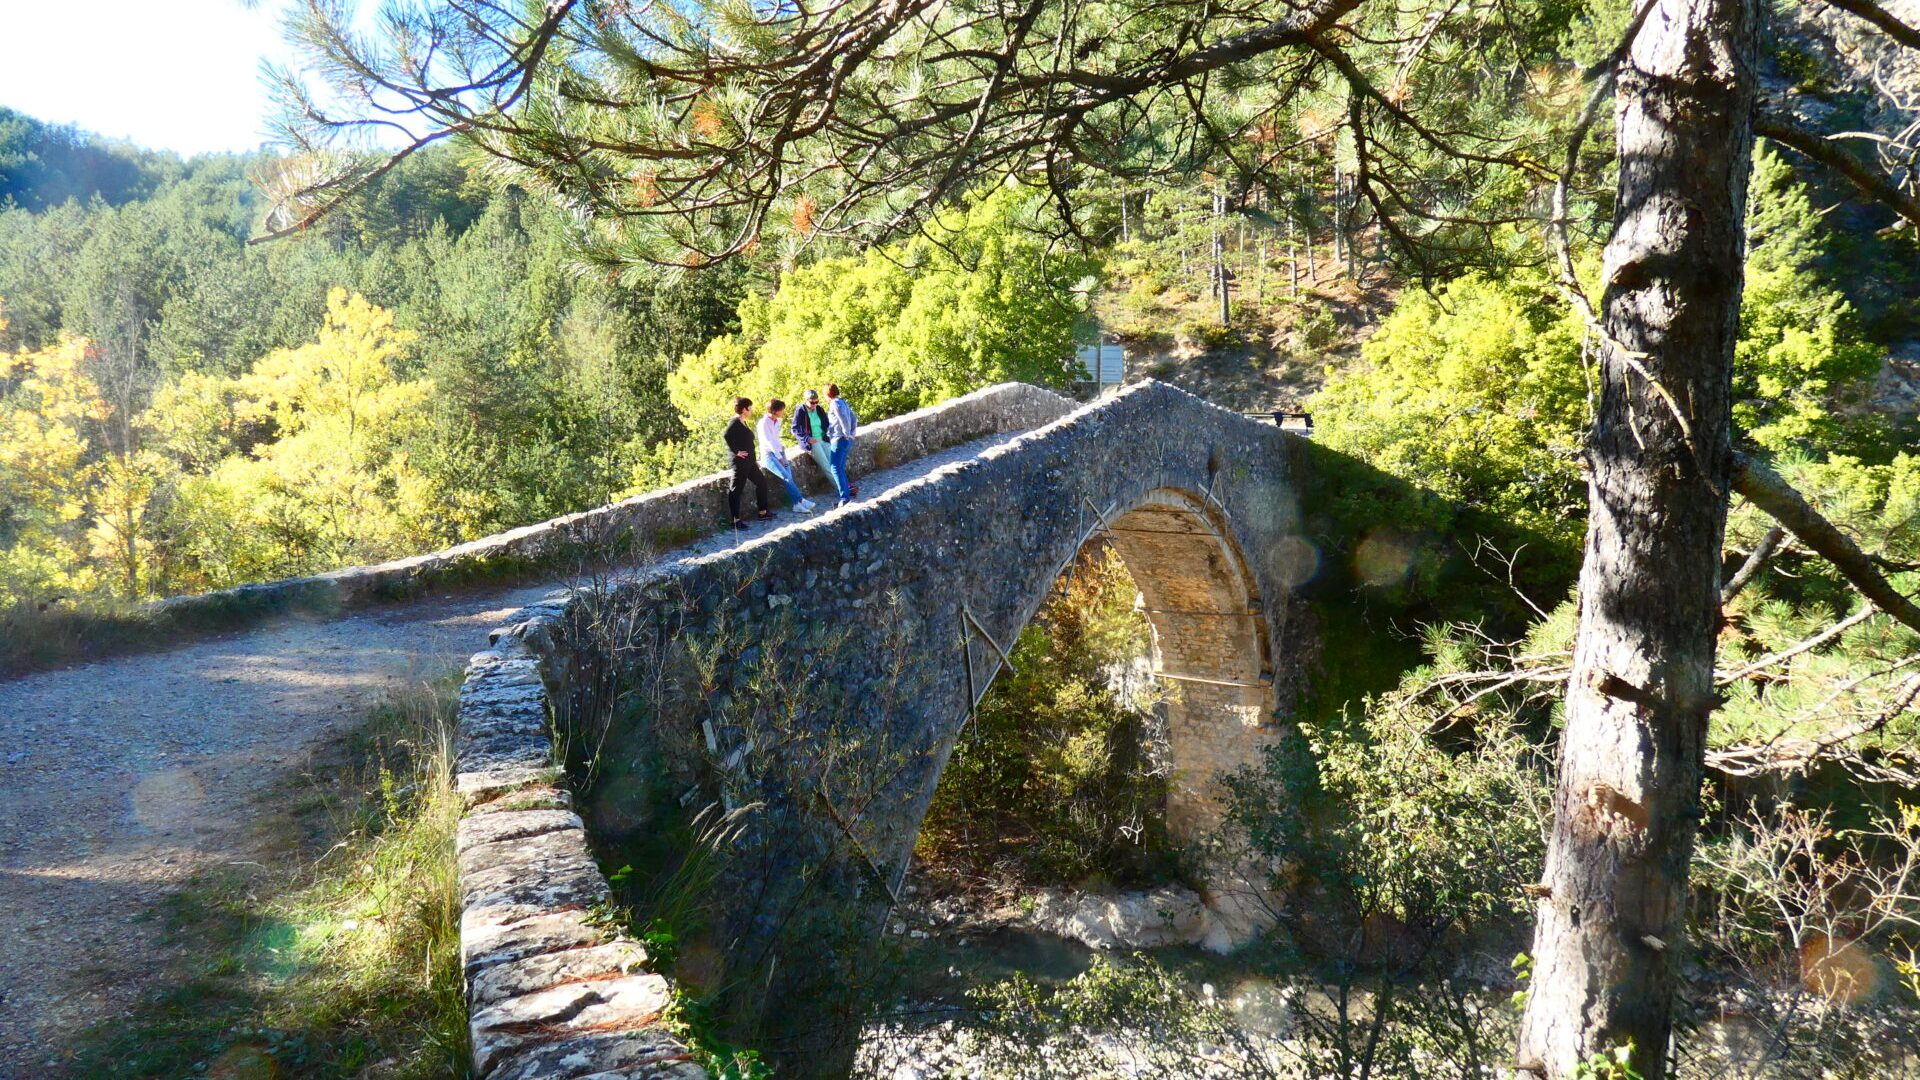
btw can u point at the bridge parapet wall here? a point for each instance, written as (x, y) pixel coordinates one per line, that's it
(554, 988)
(654, 519)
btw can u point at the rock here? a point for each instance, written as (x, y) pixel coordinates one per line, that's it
(646, 1055)
(535, 973)
(507, 1027)
(1168, 915)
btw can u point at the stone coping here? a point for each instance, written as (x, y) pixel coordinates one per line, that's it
(555, 989)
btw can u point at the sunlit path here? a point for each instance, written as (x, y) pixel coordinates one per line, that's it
(124, 777)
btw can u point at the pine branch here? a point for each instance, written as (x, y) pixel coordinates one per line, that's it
(1882, 18)
(1870, 182)
(1806, 645)
(1768, 491)
(1762, 551)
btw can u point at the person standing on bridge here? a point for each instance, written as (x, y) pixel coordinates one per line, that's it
(740, 444)
(841, 427)
(810, 428)
(773, 455)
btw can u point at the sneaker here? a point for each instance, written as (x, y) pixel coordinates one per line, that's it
(739, 526)
(805, 506)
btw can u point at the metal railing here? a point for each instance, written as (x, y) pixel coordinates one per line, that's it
(1300, 423)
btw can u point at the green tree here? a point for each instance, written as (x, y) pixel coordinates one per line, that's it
(1803, 367)
(1052, 776)
(1475, 392)
(981, 300)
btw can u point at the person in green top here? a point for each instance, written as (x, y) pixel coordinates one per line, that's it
(810, 425)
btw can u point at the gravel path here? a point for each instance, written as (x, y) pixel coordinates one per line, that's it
(122, 778)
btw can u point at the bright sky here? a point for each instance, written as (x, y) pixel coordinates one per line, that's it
(168, 74)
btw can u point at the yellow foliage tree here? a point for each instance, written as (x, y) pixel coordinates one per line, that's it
(122, 490)
(46, 403)
(334, 485)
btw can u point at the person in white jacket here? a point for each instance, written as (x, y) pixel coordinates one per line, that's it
(773, 454)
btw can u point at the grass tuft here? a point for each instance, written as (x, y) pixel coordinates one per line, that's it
(346, 965)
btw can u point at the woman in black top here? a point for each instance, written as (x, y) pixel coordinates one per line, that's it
(745, 469)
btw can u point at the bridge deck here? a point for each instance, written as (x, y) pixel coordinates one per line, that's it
(122, 778)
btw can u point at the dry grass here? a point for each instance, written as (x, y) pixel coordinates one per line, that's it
(345, 964)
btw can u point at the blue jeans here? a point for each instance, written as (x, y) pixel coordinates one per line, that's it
(778, 467)
(842, 450)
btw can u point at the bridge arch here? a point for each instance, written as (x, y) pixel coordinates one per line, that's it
(1210, 644)
(825, 670)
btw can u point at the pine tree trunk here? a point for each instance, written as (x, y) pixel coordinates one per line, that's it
(1260, 270)
(1313, 273)
(1220, 259)
(1339, 220)
(1612, 923)
(1293, 256)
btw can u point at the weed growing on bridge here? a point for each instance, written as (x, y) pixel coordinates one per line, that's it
(345, 964)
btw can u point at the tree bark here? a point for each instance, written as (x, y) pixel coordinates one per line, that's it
(1612, 921)
(1219, 245)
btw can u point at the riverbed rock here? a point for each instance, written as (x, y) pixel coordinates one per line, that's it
(1168, 915)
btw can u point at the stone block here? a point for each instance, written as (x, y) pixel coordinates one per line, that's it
(535, 973)
(550, 870)
(475, 830)
(508, 662)
(486, 720)
(502, 935)
(626, 1002)
(535, 797)
(476, 785)
(651, 1054)
(496, 753)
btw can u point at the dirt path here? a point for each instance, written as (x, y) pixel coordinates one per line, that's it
(122, 779)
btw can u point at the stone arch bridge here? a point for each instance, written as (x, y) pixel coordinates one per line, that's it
(814, 680)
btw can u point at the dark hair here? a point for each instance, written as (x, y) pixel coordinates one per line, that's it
(776, 405)
(741, 404)
(833, 389)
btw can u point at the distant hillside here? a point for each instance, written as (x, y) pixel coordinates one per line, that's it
(44, 165)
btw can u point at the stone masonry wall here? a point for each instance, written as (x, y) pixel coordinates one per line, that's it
(555, 989)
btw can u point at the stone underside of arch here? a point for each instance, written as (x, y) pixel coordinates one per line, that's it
(1208, 650)
(1210, 653)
